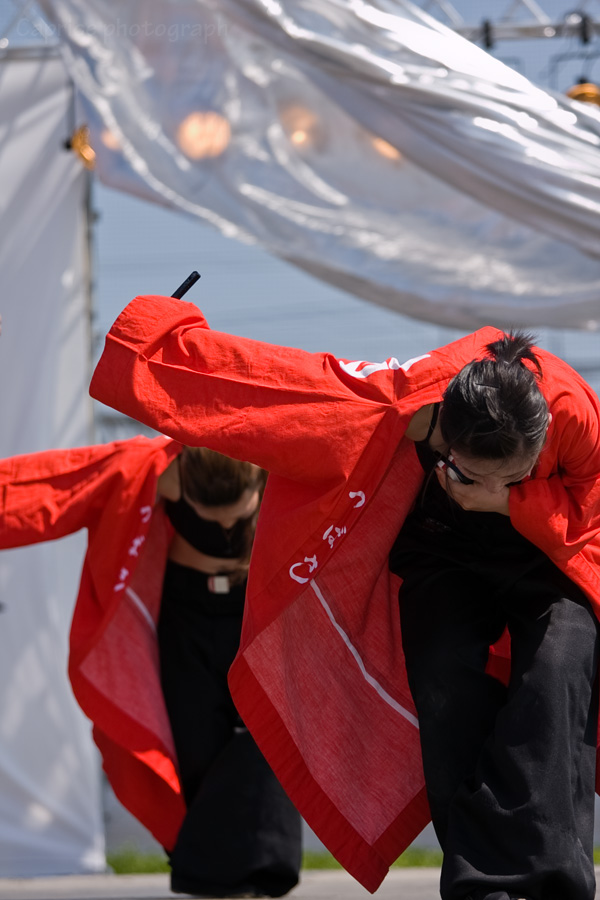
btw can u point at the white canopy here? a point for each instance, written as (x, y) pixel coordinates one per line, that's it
(362, 141)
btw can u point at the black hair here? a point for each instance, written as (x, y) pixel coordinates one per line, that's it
(493, 408)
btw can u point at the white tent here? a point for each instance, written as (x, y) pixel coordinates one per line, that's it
(50, 812)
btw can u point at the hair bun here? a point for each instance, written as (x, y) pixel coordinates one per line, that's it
(513, 348)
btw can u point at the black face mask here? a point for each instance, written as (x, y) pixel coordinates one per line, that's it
(206, 536)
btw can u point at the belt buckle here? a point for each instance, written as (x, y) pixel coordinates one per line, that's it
(218, 584)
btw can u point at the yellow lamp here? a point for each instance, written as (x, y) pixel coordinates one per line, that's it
(385, 149)
(80, 144)
(585, 92)
(302, 126)
(110, 140)
(202, 135)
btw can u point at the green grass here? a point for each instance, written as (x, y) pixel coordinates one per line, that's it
(419, 856)
(316, 859)
(129, 861)
(319, 859)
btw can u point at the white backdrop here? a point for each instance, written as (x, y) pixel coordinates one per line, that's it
(50, 813)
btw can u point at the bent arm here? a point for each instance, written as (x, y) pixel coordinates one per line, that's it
(295, 413)
(560, 513)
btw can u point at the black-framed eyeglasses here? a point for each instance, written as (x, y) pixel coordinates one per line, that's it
(454, 468)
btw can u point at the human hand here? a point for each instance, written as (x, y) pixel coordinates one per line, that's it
(474, 497)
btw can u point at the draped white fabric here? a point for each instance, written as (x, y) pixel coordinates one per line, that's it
(481, 205)
(50, 810)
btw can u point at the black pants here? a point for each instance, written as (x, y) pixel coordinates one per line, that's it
(509, 771)
(241, 832)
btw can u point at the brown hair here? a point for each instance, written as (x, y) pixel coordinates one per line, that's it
(212, 479)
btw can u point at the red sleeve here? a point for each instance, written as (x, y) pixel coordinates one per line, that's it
(291, 412)
(559, 509)
(48, 495)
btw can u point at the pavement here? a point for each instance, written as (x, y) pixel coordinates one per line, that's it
(409, 884)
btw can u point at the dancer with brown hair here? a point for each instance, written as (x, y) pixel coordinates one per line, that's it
(156, 627)
(241, 834)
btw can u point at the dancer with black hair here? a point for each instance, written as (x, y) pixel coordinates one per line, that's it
(509, 768)
(466, 482)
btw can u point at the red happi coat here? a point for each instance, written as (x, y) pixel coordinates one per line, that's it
(320, 677)
(113, 666)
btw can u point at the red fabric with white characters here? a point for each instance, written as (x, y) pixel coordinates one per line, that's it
(110, 490)
(320, 679)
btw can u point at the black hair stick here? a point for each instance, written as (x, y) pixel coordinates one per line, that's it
(187, 284)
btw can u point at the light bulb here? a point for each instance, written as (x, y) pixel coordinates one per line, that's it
(386, 149)
(110, 140)
(202, 135)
